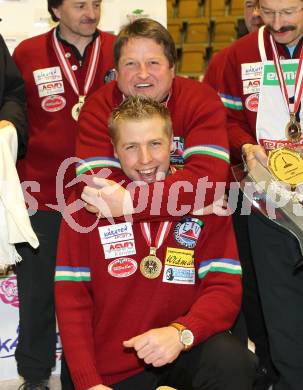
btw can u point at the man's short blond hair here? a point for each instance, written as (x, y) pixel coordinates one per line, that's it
(137, 108)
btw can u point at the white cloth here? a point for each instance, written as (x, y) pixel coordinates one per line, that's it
(15, 226)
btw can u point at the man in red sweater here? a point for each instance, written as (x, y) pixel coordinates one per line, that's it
(262, 108)
(215, 68)
(145, 304)
(254, 325)
(60, 68)
(145, 59)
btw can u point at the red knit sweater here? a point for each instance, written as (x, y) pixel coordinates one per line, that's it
(198, 118)
(97, 310)
(52, 133)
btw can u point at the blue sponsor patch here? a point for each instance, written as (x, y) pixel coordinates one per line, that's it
(187, 232)
(176, 156)
(110, 75)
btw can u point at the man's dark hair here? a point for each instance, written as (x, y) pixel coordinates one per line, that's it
(53, 4)
(146, 28)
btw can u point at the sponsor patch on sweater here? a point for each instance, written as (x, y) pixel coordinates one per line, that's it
(122, 268)
(119, 249)
(116, 233)
(179, 266)
(187, 232)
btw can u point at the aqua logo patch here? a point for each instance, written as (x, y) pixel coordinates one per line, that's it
(187, 232)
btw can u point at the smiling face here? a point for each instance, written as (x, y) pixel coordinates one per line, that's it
(143, 69)
(284, 19)
(78, 18)
(143, 147)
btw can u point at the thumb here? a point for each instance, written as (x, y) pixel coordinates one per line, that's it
(129, 343)
(101, 182)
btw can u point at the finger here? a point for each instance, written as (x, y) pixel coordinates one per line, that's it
(101, 182)
(151, 358)
(145, 351)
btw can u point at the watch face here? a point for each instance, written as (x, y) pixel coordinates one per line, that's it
(187, 338)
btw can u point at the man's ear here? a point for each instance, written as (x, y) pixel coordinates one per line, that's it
(172, 143)
(115, 151)
(57, 13)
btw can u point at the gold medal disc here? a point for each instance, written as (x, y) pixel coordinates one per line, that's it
(76, 110)
(293, 131)
(286, 165)
(151, 267)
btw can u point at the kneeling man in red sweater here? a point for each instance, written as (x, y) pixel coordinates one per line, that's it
(141, 304)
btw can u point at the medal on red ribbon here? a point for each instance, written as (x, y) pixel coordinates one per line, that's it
(293, 128)
(151, 265)
(70, 76)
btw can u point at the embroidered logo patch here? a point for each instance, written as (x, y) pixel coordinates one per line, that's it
(251, 70)
(115, 233)
(119, 249)
(176, 156)
(179, 266)
(187, 232)
(251, 86)
(121, 268)
(47, 75)
(53, 103)
(50, 88)
(252, 102)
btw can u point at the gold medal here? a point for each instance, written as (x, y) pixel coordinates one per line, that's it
(286, 165)
(293, 129)
(77, 108)
(150, 265)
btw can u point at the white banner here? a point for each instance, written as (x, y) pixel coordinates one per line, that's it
(25, 18)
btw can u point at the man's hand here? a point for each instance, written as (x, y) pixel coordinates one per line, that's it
(100, 387)
(4, 123)
(157, 346)
(108, 200)
(252, 154)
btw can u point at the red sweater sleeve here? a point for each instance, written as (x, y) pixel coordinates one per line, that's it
(240, 121)
(198, 117)
(74, 308)
(219, 270)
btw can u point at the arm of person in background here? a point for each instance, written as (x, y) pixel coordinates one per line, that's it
(241, 138)
(219, 296)
(12, 106)
(205, 153)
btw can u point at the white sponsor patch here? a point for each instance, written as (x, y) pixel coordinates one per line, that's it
(53, 88)
(251, 86)
(119, 249)
(251, 70)
(115, 233)
(47, 75)
(53, 103)
(252, 102)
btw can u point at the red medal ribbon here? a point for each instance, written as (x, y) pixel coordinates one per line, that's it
(162, 233)
(298, 81)
(67, 69)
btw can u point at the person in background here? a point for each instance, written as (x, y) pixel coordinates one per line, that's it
(214, 72)
(12, 98)
(254, 325)
(124, 322)
(145, 59)
(61, 68)
(261, 117)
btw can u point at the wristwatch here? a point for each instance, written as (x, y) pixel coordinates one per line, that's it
(186, 336)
